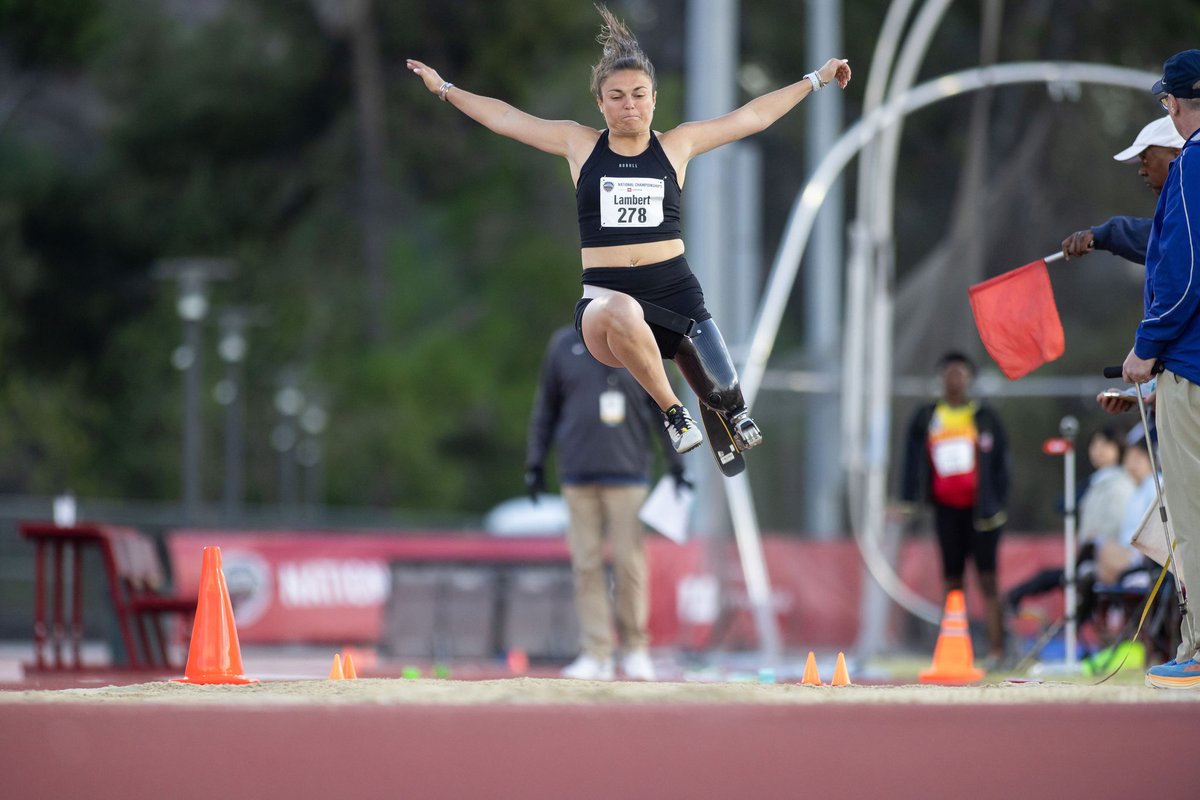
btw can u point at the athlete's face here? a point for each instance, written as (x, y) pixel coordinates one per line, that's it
(956, 381)
(627, 101)
(1153, 164)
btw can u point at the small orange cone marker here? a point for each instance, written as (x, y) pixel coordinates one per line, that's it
(348, 670)
(518, 661)
(811, 678)
(841, 676)
(214, 655)
(335, 672)
(953, 658)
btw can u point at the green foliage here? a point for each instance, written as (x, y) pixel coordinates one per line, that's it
(51, 33)
(45, 433)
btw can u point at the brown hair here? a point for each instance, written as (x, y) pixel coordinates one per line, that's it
(621, 51)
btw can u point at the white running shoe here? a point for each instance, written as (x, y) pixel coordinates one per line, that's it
(588, 668)
(685, 434)
(637, 666)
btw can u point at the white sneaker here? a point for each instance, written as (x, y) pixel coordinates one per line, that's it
(587, 668)
(684, 433)
(637, 666)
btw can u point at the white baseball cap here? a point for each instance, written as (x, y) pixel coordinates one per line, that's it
(1161, 132)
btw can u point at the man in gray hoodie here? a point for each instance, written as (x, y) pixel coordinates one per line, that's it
(602, 423)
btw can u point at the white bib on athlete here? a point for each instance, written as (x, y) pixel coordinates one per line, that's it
(631, 202)
(953, 456)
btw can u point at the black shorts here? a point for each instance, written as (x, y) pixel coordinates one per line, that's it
(666, 290)
(958, 537)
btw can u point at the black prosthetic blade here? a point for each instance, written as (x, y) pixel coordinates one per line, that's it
(729, 460)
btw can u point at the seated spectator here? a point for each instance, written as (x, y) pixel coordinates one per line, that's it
(1101, 510)
(1117, 558)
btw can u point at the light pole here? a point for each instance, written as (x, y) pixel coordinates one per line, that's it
(289, 402)
(230, 393)
(192, 276)
(310, 452)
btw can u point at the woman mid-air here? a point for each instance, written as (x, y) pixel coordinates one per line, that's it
(641, 303)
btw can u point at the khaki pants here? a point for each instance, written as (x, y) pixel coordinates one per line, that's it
(597, 510)
(1178, 411)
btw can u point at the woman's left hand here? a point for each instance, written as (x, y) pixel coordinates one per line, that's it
(836, 69)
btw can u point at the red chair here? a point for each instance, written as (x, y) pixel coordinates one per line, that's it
(135, 584)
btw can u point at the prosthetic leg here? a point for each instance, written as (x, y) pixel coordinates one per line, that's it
(704, 361)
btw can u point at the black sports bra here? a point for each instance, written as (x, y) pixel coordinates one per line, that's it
(627, 199)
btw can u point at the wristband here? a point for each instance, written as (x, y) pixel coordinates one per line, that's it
(814, 78)
(446, 86)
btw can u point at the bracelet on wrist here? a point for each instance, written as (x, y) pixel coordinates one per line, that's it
(814, 78)
(445, 87)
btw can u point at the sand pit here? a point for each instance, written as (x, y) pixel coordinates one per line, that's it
(550, 691)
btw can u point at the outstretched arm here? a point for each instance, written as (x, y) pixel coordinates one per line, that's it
(557, 137)
(693, 138)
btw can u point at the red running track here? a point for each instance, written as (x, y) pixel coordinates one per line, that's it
(346, 752)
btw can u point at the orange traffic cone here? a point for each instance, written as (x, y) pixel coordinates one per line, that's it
(952, 656)
(214, 655)
(335, 672)
(348, 670)
(518, 661)
(811, 677)
(841, 676)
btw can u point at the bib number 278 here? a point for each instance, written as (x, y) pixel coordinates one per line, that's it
(631, 202)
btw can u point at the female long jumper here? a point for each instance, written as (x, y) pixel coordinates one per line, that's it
(641, 303)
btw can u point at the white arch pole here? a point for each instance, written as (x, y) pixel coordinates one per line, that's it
(876, 260)
(787, 263)
(853, 349)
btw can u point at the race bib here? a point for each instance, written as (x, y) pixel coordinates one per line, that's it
(953, 457)
(631, 202)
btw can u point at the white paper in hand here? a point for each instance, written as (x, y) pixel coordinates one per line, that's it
(1149, 539)
(668, 509)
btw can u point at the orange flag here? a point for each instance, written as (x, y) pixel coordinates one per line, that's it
(1017, 319)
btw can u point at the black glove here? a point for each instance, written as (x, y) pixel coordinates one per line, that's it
(681, 480)
(535, 482)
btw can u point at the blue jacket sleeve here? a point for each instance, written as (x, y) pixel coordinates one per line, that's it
(1172, 294)
(1126, 237)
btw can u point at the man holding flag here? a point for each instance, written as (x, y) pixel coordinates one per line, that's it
(1015, 312)
(1153, 150)
(1168, 338)
(1155, 147)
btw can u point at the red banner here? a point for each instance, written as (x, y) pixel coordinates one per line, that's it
(334, 588)
(328, 587)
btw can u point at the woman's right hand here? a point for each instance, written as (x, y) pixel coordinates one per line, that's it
(433, 81)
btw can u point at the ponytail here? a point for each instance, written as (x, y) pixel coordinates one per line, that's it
(621, 51)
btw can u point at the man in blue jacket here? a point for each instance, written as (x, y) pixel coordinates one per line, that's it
(1155, 147)
(1168, 339)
